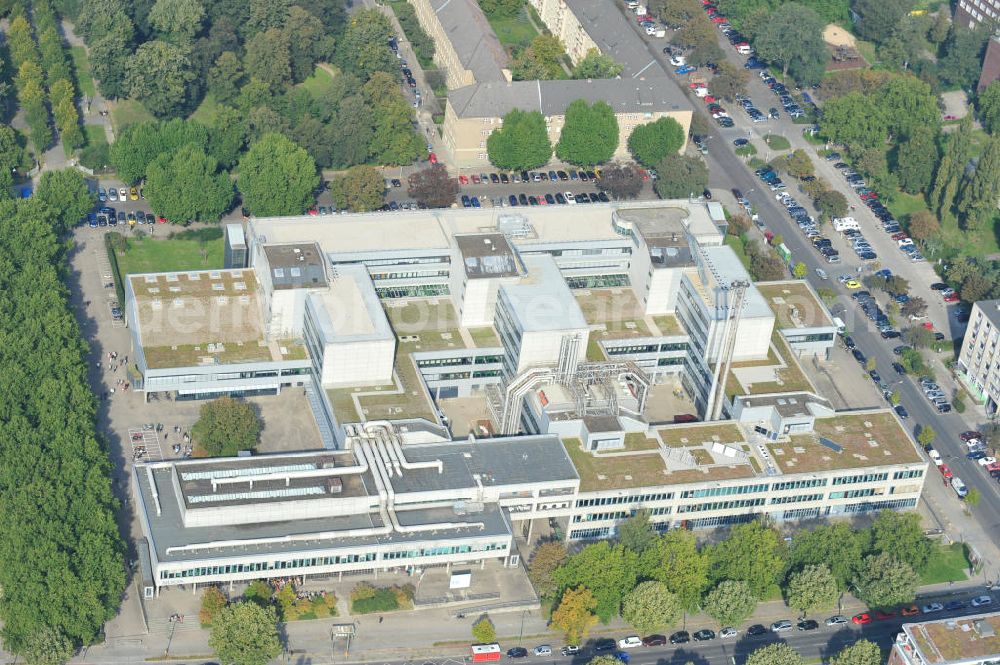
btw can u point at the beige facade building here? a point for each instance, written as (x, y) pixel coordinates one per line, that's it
(473, 112)
(465, 47)
(564, 24)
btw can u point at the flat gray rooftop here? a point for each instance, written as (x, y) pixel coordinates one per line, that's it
(488, 255)
(496, 98)
(788, 404)
(542, 300)
(498, 462)
(665, 234)
(295, 266)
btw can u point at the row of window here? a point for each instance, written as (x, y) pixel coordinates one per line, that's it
(861, 478)
(870, 506)
(853, 494)
(464, 360)
(260, 566)
(799, 484)
(618, 500)
(724, 491)
(647, 348)
(597, 281)
(416, 291)
(721, 505)
(801, 498)
(601, 517)
(904, 475)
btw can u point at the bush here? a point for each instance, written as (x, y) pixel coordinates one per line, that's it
(324, 606)
(207, 234)
(258, 592)
(747, 150)
(423, 45)
(367, 599)
(959, 404)
(775, 142)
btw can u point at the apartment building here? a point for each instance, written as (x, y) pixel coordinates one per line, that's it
(474, 112)
(978, 361)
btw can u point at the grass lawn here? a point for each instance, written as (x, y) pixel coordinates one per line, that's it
(319, 83)
(95, 134)
(775, 142)
(737, 246)
(515, 30)
(128, 112)
(84, 80)
(747, 150)
(903, 205)
(206, 111)
(977, 242)
(947, 564)
(169, 254)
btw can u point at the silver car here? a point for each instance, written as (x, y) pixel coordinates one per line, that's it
(837, 620)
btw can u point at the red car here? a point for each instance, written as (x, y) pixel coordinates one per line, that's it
(882, 615)
(945, 471)
(160, 219)
(719, 19)
(970, 435)
(869, 195)
(432, 158)
(696, 85)
(313, 211)
(711, 11)
(952, 298)
(862, 618)
(910, 611)
(463, 180)
(899, 236)
(476, 179)
(709, 99)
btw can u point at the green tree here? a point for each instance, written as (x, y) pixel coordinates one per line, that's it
(989, 107)
(650, 606)
(961, 63)
(909, 105)
(308, 42)
(227, 136)
(608, 571)
(798, 164)
(651, 142)
(859, 653)
(67, 193)
(268, 59)
(159, 75)
(277, 177)
(245, 634)
(754, 553)
(683, 176)
(363, 49)
(226, 77)
(831, 204)
(589, 135)
(596, 65)
(49, 646)
(542, 60)
(501, 8)
(12, 156)
(812, 588)
(483, 631)
(676, 13)
(187, 186)
(835, 545)
(212, 602)
(878, 19)
(177, 20)
(675, 560)
(927, 435)
(883, 581)
(800, 270)
(775, 654)
(973, 497)
(360, 189)
(521, 143)
(855, 121)
(901, 534)
(978, 198)
(226, 426)
(575, 613)
(636, 533)
(792, 37)
(266, 15)
(730, 602)
(546, 559)
(394, 142)
(951, 169)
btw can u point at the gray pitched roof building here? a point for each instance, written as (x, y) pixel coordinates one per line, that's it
(473, 39)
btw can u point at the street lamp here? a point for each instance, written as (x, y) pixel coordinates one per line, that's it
(520, 633)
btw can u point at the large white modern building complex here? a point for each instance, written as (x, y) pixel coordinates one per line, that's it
(585, 341)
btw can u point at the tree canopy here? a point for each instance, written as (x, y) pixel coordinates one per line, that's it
(792, 37)
(360, 188)
(188, 186)
(226, 426)
(596, 65)
(521, 143)
(575, 613)
(650, 606)
(651, 142)
(245, 633)
(433, 187)
(730, 602)
(753, 553)
(812, 588)
(67, 195)
(684, 175)
(277, 177)
(609, 571)
(883, 581)
(862, 652)
(589, 135)
(62, 561)
(775, 654)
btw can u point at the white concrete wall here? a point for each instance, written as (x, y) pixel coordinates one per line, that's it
(542, 348)
(753, 338)
(663, 288)
(361, 363)
(478, 303)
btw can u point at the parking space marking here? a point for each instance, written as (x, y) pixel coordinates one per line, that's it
(145, 445)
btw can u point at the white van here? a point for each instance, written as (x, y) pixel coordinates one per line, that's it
(960, 489)
(744, 49)
(841, 224)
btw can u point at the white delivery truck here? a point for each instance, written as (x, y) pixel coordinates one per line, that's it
(841, 224)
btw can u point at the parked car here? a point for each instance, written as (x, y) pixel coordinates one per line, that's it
(517, 652)
(654, 641)
(543, 650)
(862, 619)
(931, 608)
(756, 630)
(807, 624)
(680, 637)
(980, 601)
(728, 632)
(781, 626)
(570, 650)
(836, 620)
(630, 642)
